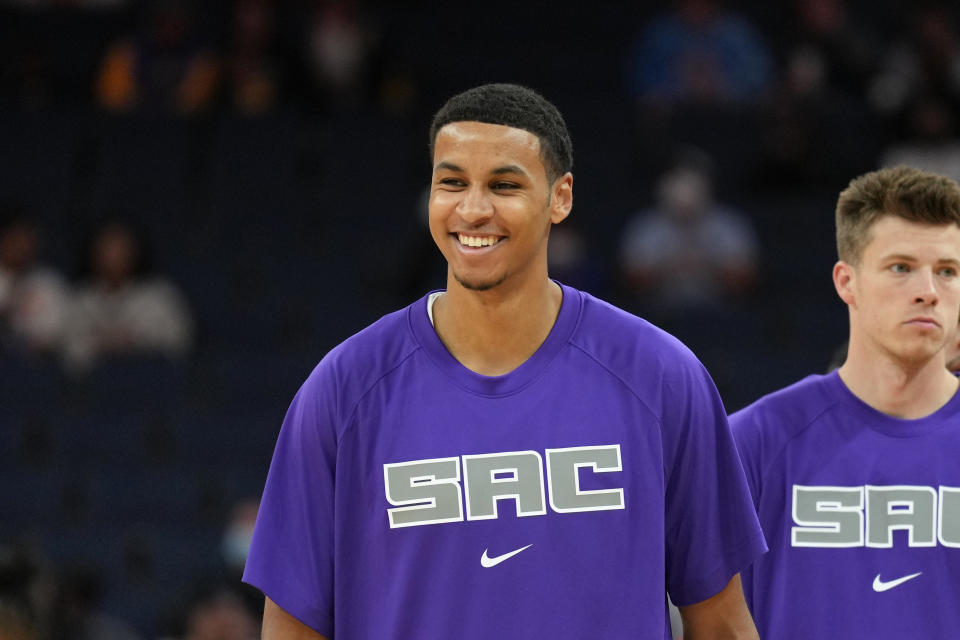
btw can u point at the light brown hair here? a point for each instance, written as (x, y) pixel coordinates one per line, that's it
(904, 192)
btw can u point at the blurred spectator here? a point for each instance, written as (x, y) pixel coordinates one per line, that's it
(699, 74)
(700, 52)
(688, 250)
(338, 49)
(49, 49)
(15, 622)
(123, 310)
(220, 615)
(818, 129)
(925, 60)
(252, 69)
(838, 48)
(78, 614)
(165, 67)
(32, 295)
(569, 260)
(234, 547)
(931, 141)
(237, 536)
(26, 594)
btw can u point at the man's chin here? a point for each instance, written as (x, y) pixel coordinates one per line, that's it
(920, 354)
(477, 285)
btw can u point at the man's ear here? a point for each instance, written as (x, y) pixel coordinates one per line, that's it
(844, 280)
(561, 201)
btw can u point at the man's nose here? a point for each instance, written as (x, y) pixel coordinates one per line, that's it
(926, 292)
(475, 206)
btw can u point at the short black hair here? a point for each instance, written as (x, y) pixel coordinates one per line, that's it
(514, 106)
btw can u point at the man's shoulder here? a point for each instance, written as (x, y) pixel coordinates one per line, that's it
(610, 332)
(778, 417)
(633, 349)
(369, 354)
(805, 396)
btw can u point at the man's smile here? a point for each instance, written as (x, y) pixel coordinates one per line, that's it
(477, 241)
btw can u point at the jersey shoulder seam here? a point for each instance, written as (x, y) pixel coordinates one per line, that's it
(619, 378)
(348, 420)
(783, 448)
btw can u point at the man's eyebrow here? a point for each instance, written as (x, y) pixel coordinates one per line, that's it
(510, 168)
(905, 257)
(449, 166)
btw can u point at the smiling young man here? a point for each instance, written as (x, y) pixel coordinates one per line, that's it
(855, 474)
(508, 458)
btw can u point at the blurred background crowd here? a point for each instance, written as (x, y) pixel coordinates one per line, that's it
(199, 199)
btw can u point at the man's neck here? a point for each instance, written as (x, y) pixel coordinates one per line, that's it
(899, 389)
(493, 332)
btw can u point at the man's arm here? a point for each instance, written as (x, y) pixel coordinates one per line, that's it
(280, 625)
(723, 617)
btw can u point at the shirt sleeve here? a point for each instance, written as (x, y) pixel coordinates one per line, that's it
(746, 431)
(712, 532)
(291, 556)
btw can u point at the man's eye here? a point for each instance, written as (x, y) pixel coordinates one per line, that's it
(502, 186)
(948, 272)
(900, 268)
(451, 182)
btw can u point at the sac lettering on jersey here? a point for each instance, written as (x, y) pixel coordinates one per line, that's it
(439, 490)
(868, 515)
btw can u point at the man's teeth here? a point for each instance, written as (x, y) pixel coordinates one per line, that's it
(477, 241)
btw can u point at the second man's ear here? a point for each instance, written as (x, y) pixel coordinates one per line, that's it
(844, 277)
(562, 198)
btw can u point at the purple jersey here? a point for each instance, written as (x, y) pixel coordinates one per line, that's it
(411, 497)
(861, 512)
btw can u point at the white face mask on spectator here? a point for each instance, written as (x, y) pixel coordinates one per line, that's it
(684, 193)
(236, 544)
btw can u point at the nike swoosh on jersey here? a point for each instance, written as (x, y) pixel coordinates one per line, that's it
(880, 586)
(487, 562)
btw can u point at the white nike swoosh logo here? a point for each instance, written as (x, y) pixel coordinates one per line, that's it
(488, 562)
(880, 586)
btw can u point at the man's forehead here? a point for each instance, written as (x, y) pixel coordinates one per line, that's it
(463, 131)
(891, 234)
